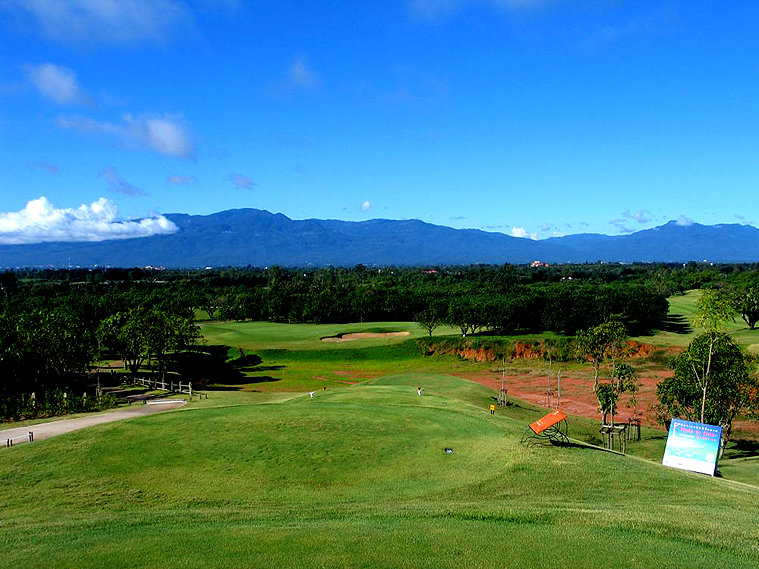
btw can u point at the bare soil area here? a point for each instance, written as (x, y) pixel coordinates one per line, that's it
(577, 395)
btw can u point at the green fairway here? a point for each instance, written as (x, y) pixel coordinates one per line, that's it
(295, 358)
(274, 336)
(357, 476)
(680, 331)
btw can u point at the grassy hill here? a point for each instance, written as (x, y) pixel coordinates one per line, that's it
(357, 477)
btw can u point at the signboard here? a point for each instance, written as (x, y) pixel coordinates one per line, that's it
(692, 446)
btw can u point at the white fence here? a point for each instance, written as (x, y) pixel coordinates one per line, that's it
(19, 439)
(171, 386)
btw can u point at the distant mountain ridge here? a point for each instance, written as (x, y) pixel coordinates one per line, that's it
(240, 237)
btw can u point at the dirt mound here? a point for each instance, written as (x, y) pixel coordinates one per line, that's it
(527, 351)
(362, 335)
(467, 353)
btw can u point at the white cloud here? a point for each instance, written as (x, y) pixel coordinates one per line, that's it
(178, 180)
(113, 22)
(641, 216)
(433, 9)
(621, 226)
(684, 221)
(241, 181)
(521, 232)
(300, 76)
(366, 206)
(165, 134)
(48, 167)
(40, 221)
(56, 83)
(119, 185)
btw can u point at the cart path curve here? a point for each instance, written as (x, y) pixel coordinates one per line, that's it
(63, 426)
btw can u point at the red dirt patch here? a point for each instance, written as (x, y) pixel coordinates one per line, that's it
(527, 351)
(576, 391)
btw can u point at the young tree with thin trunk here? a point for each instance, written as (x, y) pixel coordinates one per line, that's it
(604, 342)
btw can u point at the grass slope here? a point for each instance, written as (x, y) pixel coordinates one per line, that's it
(357, 477)
(680, 331)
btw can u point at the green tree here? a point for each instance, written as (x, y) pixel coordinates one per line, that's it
(711, 383)
(623, 379)
(427, 320)
(124, 333)
(605, 341)
(211, 302)
(714, 309)
(166, 331)
(746, 303)
(466, 314)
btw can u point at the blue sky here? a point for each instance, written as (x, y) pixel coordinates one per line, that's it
(529, 117)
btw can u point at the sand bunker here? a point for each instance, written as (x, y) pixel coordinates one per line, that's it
(362, 335)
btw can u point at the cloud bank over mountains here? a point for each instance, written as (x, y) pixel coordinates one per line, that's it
(41, 222)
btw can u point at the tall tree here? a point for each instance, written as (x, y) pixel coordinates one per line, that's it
(746, 303)
(713, 311)
(711, 383)
(124, 333)
(427, 320)
(604, 342)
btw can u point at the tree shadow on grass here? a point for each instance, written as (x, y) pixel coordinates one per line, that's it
(210, 365)
(263, 379)
(742, 448)
(676, 324)
(585, 446)
(241, 386)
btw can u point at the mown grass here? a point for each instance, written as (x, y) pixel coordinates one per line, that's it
(301, 370)
(357, 477)
(295, 358)
(272, 335)
(680, 330)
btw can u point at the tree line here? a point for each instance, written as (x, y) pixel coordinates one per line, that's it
(50, 339)
(54, 323)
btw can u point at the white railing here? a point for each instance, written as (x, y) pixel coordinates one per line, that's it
(19, 439)
(170, 386)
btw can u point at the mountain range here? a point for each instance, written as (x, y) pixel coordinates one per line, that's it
(255, 237)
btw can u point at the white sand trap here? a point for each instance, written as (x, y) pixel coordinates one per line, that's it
(363, 335)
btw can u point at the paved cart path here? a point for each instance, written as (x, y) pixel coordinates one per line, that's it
(55, 428)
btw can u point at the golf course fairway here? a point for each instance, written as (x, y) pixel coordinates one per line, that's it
(357, 476)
